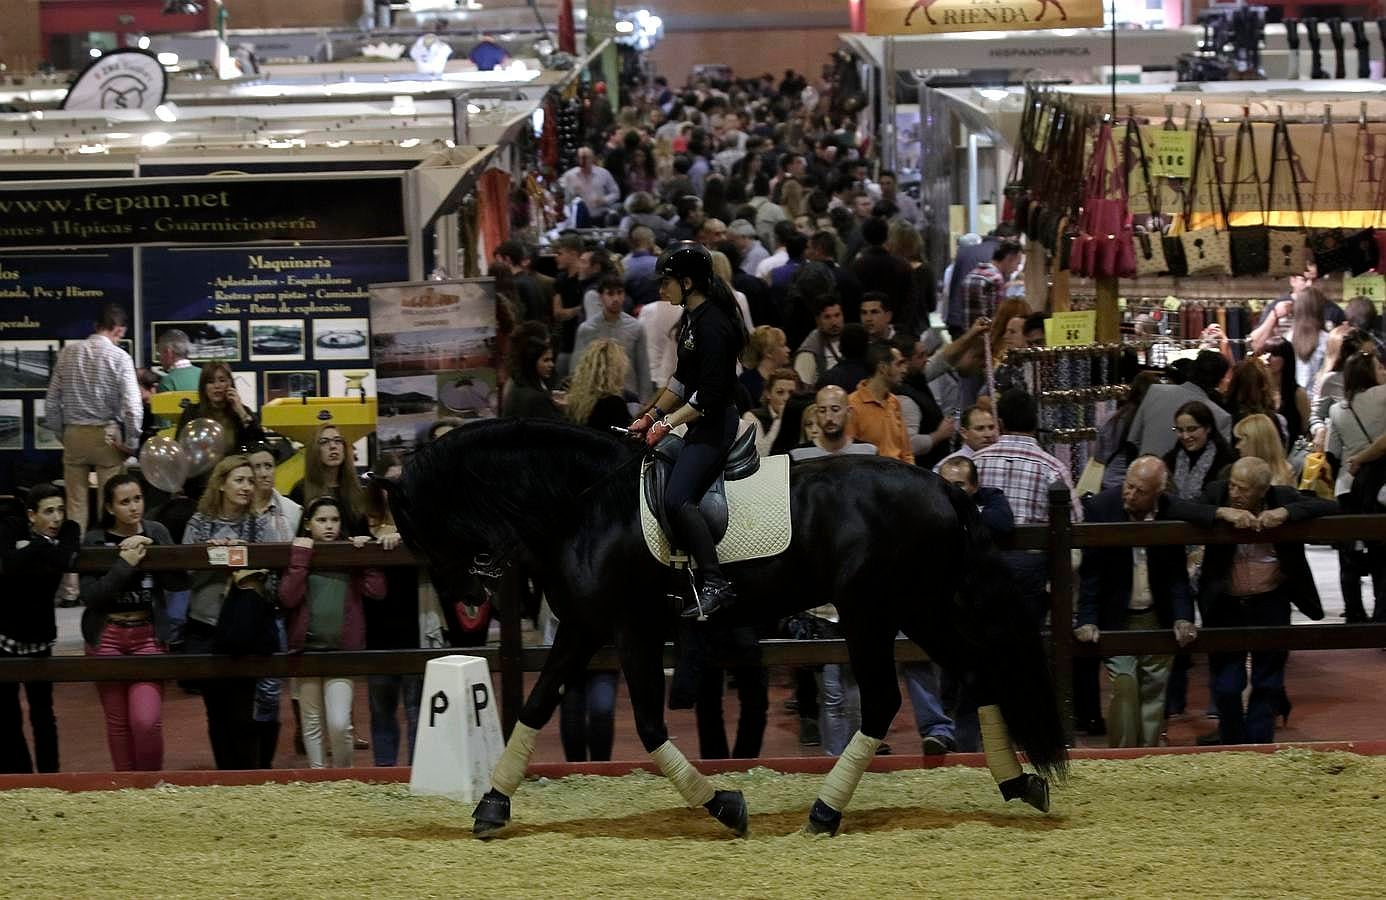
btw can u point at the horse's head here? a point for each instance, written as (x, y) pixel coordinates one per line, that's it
(503, 489)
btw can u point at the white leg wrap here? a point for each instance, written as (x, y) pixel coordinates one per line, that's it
(510, 770)
(996, 744)
(842, 781)
(691, 784)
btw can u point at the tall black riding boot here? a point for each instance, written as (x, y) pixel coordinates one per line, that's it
(715, 591)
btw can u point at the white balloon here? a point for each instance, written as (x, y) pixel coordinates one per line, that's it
(164, 464)
(203, 442)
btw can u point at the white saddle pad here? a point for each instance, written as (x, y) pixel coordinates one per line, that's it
(758, 513)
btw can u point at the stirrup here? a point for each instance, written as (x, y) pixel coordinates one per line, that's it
(720, 598)
(695, 611)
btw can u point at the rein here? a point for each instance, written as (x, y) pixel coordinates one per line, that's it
(488, 566)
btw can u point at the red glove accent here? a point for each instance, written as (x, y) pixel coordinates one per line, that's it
(658, 431)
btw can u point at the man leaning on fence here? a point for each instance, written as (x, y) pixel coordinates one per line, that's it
(1252, 584)
(1135, 588)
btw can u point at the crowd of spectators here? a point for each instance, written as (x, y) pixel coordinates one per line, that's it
(855, 347)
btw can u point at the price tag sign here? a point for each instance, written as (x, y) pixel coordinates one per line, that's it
(1068, 329)
(1174, 151)
(1373, 287)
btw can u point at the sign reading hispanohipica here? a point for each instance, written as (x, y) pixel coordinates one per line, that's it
(942, 16)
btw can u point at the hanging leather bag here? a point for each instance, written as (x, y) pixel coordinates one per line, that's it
(1207, 250)
(1326, 243)
(1288, 247)
(1251, 242)
(1147, 237)
(1104, 248)
(1175, 262)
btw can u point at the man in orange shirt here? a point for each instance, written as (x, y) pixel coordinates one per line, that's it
(876, 415)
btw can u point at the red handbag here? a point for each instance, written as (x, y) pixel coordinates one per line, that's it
(1105, 245)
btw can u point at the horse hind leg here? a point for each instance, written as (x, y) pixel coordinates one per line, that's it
(1015, 783)
(642, 662)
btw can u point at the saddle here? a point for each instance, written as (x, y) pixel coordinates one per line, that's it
(742, 462)
(747, 508)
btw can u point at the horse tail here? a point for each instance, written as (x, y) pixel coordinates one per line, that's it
(1010, 665)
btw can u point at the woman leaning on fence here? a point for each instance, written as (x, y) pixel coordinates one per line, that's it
(125, 615)
(224, 520)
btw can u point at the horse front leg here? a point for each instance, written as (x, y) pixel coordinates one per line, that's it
(641, 648)
(572, 650)
(873, 662)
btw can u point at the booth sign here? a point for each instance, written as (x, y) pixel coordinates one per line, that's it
(941, 16)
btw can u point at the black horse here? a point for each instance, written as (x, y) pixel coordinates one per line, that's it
(895, 548)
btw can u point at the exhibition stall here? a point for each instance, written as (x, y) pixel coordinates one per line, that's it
(253, 216)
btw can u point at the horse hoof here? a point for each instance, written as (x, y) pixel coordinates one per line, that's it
(729, 808)
(491, 814)
(823, 819)
(1033, 789)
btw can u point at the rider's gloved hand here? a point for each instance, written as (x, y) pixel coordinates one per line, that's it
(657, 432)
(640, 425)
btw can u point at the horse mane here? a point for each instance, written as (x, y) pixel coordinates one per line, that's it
(505, 481)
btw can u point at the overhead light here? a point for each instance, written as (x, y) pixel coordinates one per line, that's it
(624, 27)
(337, 145)
(168, 58)
(143, 42)
(156, 138)
(118, 135)
(409, 143)
(92, 148)
(995, 95)
(402, 105)
(284, 143)
(166, 112)
(473, 109)
(94, 52)
(449, 143)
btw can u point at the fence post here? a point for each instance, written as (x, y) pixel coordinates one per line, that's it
(1061, 598)
(512, 676)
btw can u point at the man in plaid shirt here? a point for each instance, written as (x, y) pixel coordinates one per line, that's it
(1023, 472)
(985, 286)
(94, 405)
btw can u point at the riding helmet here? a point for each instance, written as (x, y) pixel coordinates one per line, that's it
(686, 259)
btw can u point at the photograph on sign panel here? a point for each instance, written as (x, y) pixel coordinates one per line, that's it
(435, 350)
(404, 432)
(470, 394)
(44, 439)
(247, 388)
(279, 385)
(11, 424)
(208, 341)
(407, 394)
(276, 340)
(341, 338)
(27, 365)
(351, 382)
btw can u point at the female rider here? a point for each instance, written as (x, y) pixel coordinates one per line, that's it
(710, 338)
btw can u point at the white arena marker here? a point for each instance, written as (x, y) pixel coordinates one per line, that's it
(459, 738)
